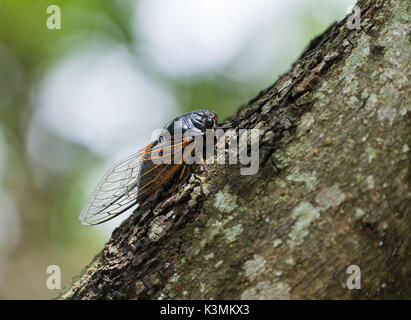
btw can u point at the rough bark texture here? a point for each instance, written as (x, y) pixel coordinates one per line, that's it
(333, 188)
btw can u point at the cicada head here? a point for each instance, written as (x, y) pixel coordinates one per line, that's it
(204, 119)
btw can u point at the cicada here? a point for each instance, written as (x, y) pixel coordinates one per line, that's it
(131, 181)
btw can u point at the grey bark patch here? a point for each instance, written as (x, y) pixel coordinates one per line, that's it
(308, 178)
(329, 197)
(267, 290)
(254, 267)
(305, 214)
(232, 233)
(225, 201)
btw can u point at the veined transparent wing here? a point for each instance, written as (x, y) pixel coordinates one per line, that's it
(125, 185)
(111, 196)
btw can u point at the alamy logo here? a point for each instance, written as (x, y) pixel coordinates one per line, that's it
(54, 20)
(54, 280)
(354, 280)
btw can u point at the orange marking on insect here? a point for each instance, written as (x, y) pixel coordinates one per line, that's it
(182, 171)
(150, 170)
(153, 179)
(147, 146)
(164, 155)
(170, 146)
(159, 157)
(176, 166)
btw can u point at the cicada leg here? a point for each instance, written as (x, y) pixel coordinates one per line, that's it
(204, 166)
(182, 171)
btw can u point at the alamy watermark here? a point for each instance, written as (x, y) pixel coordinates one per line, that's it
(197, 147)
(53, 281)
(354, 280)
(54, 20)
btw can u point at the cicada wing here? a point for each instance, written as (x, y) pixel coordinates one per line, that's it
(160, 163)
(112, 196)
(126, 184)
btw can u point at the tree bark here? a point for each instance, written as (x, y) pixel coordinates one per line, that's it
(333, 188)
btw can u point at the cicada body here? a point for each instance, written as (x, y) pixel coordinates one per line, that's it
(133, 180)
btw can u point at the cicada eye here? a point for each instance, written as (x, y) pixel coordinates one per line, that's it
(209, 123)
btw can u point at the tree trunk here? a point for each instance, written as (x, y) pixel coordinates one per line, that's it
(332, 190)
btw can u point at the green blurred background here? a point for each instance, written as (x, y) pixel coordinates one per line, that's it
(74, 100)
